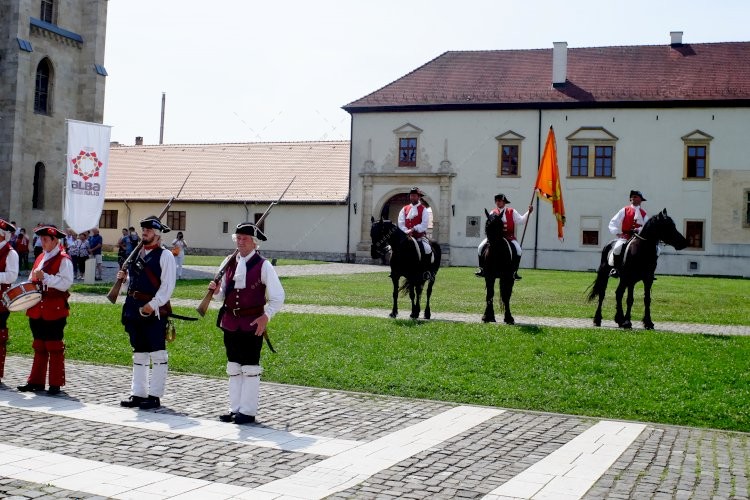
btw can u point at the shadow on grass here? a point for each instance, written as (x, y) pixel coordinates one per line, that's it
(531, 329)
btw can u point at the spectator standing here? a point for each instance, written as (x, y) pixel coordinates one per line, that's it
(22, 248)
(79, 252)
(178, 250)
(95, 250)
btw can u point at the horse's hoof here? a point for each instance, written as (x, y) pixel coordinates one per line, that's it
(597, 322)
(648, 325)
(510, 321)
(490, 319)
(427, 316)
(626, 325)
(392, 315)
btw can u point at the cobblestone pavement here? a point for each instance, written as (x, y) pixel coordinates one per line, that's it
(661, 462)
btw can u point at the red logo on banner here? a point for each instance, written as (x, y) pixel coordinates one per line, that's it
(86, 164)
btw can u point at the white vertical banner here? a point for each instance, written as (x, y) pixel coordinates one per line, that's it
(87, 164)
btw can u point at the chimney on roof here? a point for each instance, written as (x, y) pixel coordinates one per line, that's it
(139, 140)
(676, 37)
(559, 63)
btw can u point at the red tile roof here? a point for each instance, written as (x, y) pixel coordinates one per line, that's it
(597, 76)
(252, 172)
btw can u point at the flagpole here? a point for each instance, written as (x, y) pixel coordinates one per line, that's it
(526, 224)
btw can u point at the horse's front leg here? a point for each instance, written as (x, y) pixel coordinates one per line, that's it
(506, 290)
(415, 293)
(647, 323)
(394, 279)
(430, 282)
(629, 303)
(489, 308)
(619, 315)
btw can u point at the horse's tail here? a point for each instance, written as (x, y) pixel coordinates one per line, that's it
(437, 252)
(599, 286)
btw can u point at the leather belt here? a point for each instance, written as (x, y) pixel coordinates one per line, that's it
(140, 296)
(241, 312)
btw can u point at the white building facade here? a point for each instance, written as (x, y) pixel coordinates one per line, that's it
(678, 141)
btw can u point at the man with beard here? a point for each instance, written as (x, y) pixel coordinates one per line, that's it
(145, 313)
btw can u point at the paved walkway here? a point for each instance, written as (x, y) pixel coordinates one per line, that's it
(317, 443)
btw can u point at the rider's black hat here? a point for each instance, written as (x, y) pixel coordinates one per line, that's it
(634, 192)
(501, 197)
(416, 190)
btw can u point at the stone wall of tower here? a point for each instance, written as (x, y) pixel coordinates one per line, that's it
(76, 92)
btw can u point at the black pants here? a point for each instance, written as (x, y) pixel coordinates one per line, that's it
(243, 347)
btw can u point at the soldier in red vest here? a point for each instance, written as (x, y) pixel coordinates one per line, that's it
(414, 219)
(511, 219)
(627, 222)
(252, 294)
(8, 275)
(53, 270)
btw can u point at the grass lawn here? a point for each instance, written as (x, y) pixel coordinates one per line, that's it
(540, 293)
(677, 379)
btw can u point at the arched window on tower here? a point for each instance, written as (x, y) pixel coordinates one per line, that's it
(37, 199)
(42, 87)
(47, 13)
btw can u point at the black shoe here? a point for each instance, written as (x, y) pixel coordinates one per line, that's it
(229, 417)
(516, 277)
(150, 403)
(53, 389)
(241, 418)
(132, 402)
(31, 388)
(479, 273)
(613, 273)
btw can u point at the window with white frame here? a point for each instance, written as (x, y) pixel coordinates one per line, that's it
(509, 154)
(696, 155)
(407, 142)
(591, 153)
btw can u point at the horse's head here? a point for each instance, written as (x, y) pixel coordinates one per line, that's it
(661, 227)
(381, 233)
(493, 227)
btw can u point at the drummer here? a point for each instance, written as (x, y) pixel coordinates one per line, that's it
(8, 275)
(53, 271)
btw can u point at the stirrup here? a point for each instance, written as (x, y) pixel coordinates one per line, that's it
(613, 273)
(479, 272)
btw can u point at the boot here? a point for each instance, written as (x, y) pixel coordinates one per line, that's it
(56, 349)
(151, 402)
(38, 375)
(480, 270)
(3, 350)
(516, 265)
(250, 394)
(139, 384)
(158, 373)
(234, 370)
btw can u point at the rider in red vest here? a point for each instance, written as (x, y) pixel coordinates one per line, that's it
(414, 219)
(8, 275)
(511, 219)
(627, 222)
(53, 271)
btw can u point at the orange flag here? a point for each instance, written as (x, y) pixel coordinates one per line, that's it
(548, 185)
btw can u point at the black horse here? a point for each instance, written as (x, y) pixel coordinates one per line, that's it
(406, 261)
(498, 264)
(639, 264)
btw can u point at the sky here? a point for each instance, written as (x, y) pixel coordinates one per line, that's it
(280, 70)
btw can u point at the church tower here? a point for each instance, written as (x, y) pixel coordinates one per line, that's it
(51, 69)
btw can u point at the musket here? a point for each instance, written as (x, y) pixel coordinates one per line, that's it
(203, 306)
(115, 290)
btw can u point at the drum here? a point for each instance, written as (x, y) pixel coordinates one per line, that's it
(22, 296)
